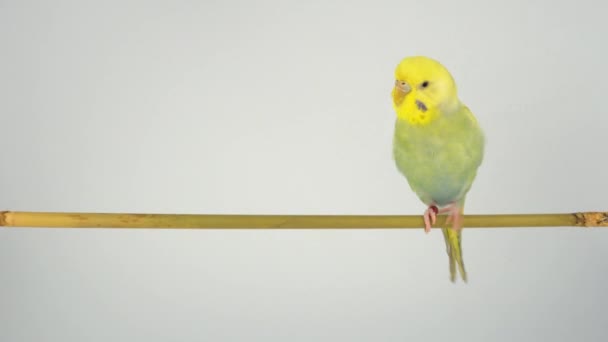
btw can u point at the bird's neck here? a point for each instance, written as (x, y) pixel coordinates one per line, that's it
(412, 113)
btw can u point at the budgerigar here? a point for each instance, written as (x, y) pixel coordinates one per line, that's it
(438, 145)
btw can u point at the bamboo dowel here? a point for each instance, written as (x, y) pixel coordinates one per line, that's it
(174, 221)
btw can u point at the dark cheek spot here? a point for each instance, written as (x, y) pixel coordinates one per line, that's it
(421, 105)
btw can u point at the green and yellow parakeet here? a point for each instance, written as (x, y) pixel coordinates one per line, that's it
(438, 145)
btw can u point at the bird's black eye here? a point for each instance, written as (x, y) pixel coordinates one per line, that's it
(425, 84)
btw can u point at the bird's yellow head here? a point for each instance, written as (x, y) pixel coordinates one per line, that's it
(423, 90)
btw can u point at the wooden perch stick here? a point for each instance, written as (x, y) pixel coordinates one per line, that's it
(171, 221)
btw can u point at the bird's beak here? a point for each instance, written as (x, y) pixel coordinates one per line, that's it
(401, 89)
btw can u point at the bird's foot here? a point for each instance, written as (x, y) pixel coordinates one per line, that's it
(454, 216)
(430, 217)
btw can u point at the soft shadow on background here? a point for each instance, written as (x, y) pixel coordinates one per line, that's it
(283, 107)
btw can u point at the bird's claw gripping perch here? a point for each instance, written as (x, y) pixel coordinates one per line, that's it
(454, 217)
(430, 217)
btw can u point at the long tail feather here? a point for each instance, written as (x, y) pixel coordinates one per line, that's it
(454, 251)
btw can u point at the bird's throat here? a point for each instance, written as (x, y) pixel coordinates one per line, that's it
(416, 112)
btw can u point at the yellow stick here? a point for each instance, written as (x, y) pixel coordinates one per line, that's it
(171, 221)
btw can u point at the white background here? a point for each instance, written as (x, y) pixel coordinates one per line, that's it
(283, 107)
